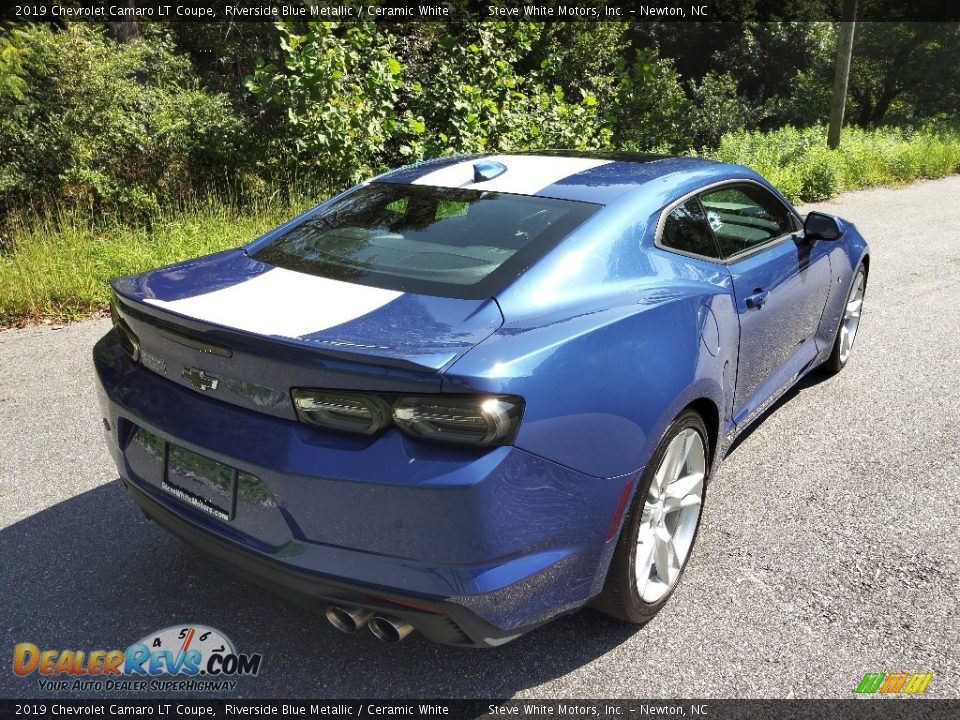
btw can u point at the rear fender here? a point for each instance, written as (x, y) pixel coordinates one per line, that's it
(602, 386)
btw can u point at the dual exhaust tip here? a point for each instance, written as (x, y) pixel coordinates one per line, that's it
(384, 628)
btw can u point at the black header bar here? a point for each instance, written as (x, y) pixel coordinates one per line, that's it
(393, 11)
(852, 709)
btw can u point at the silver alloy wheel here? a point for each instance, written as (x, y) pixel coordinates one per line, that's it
(670, 515)
(851, 319)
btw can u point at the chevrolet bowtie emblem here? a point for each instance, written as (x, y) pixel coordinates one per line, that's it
(200, 379)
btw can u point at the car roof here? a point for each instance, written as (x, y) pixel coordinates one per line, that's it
(585, 176)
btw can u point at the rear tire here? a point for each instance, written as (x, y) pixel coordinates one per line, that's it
(849, 324)
(659, 533)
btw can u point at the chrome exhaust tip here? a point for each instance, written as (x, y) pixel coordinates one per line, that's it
(388, 629)
(347, 620)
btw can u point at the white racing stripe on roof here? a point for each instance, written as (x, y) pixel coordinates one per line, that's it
(282, 302)
(525, 175)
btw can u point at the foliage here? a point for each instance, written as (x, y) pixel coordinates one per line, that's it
(239, 109)
(804, 169)
(764, 58)
(101, 124)
(767, 58)
(901, 72)
(353, 107)
(904, 71)
(580, 58)
(809, 103)
(339, 91)
(223, 54)
(475, 97)
(650, 107)
(57, 266)
(716, 109)
(12, 54)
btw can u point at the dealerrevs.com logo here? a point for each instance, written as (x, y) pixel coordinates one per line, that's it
(179, 658)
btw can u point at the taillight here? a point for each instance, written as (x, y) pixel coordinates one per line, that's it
(353, 412)
(128, 339)
(470, 420)
(479, 420)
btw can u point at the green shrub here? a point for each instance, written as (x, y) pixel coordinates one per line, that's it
(352, 108)
(822, 174)
(12, 54)
(716, 109)
(799, 163)
(651, 111)
(472, 97)
(338, 91)
(103, 125)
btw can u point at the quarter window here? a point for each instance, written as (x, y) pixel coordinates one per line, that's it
(745, 216)
(686, 230)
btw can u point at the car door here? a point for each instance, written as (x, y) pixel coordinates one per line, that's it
(780, 283)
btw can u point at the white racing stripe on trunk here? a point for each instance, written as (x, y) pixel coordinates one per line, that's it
(525, 175)
(282, 302)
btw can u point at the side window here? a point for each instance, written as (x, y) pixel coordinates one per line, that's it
(744, 216)
(686, 229)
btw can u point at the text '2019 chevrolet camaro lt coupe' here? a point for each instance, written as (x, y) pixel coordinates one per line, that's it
(475, 393)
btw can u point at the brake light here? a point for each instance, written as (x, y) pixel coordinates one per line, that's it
(478, 420)
(352, 412)
(483, 421)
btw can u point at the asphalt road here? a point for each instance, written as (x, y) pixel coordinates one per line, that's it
(829, 545)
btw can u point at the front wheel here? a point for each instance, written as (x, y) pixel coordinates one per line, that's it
(849, 324)
(659, 532)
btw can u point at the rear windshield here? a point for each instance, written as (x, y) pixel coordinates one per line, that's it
(436, 241)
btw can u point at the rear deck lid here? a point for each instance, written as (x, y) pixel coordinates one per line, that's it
(261, 329)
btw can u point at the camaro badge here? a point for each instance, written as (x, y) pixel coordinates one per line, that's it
(200, 379)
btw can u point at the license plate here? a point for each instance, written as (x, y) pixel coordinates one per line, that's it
(200, 482)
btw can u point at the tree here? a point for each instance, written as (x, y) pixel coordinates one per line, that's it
(905, 71)
(339, 89)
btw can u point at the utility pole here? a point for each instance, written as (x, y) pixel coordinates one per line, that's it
(841, 74)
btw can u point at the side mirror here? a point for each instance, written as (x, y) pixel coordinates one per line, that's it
(820, 226)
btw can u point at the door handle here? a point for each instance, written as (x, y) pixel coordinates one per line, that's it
(758, 299)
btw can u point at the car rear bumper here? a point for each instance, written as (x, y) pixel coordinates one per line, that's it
(441, 622)
(470, 548)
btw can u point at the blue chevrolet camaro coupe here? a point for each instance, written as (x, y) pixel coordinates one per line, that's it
(475, 393)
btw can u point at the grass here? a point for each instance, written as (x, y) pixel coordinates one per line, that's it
(56, 267)
(801, 166)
